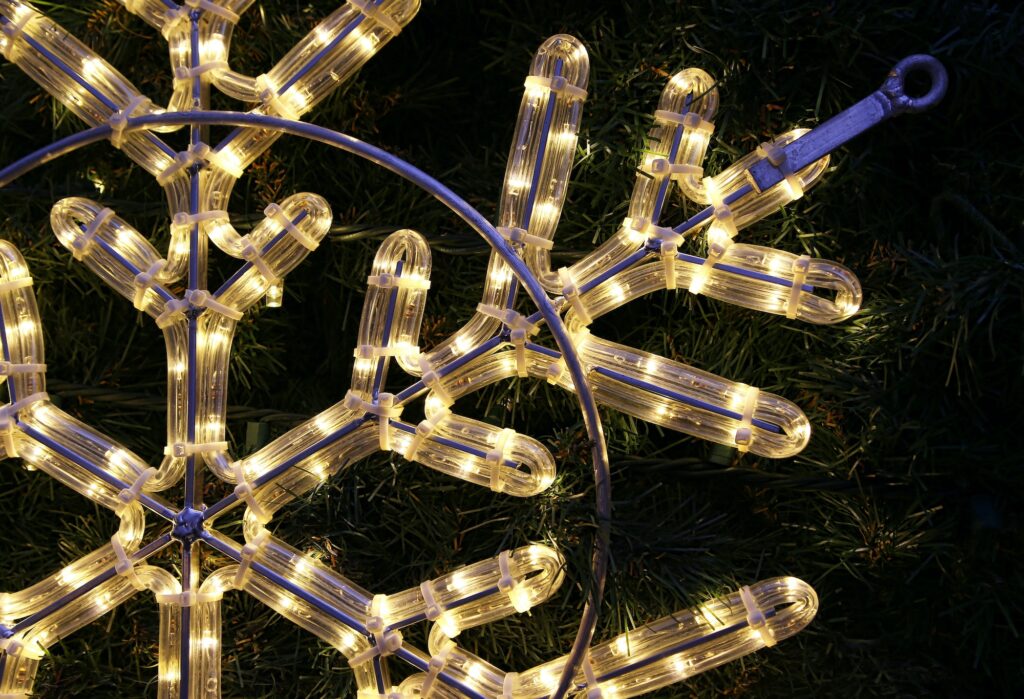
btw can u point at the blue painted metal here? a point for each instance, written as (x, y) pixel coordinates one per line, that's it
(887, 101)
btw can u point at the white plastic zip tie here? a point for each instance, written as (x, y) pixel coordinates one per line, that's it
(272, 101)
(249, 551)
(183, 218)
(689, 120)
(245, 492)
(571, 292)
(744, 433)
(81, 246)
(371, 11)
(15, 284)
(182, 161)
(395, 281)
(119, 120)
(436, 665)
(496, 459)
(185, 74)
(385, 410)
(432, 380)
(670, 241)
(800, 267)
(212, 8)
(557, 84)
(13, 29)
(396, 349)
(12, 646)
(722, 213)
(144, 281)
(777, 157)
(172, 309)
(661, 167)
(509, 685)
(130, 494)
(7, 423)
(593, 687)
(432, 608)
(9, 369)
(188, 598)
(275, 212)
(201, 298)
(125, 566)
(521, 237)
(424, 429)
(755, 617)
(386, 641)
(520, 328)
(508, 585)
(186, 449)
(555, 370)
(251, 254)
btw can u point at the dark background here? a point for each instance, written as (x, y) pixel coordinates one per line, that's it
(902, 511)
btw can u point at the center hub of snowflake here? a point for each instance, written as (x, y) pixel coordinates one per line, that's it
(188, 525)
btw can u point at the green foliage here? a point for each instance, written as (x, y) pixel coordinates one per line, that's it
(900, 512)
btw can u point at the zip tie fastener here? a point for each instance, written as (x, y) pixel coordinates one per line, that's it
(571, 292)
(251, 254)
(424, 429)
(375, 13)
(520, 328)
(661, 168)
(385, 641)
(206, 6)
(13, 29)
(436, 665)
(201, 298)
(396, 349)
(275, 212)
(118, 121)
(593, 687)
(800, 267)
(82, 245)
(744, 433)
(187, 449)
(520, 237)
(130, 494)
(183, 218)
(669, 241)
(182, 161)
(495, 458)
(557, 84)
(722, 213)
(756, 619)
(8, 424)
(144, 281)
(432, 608)
(386, 280)
(249, 552)
(385, 410)
(509, 685)
(691, 121)
(776, 155)
(9, 369)
(172, 309)
(244, 491)
(15, 284)
(125, 566)
(432, 380)
(272, 101)
(185, 74)
(517, 593)
(555, 370)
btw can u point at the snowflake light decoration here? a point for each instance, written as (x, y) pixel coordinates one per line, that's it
(642, 257)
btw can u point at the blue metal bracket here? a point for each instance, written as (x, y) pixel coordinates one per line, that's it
(887, 101)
